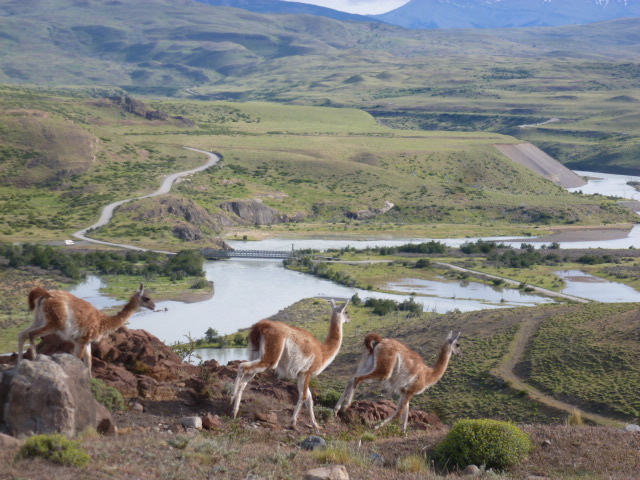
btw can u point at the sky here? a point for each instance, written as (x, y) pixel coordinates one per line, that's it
(363, 7)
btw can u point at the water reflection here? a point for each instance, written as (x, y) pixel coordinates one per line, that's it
(474, 291)
(89, 290)
(223, 355)
(588, 286)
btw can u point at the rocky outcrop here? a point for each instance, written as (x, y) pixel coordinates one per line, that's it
(134, 362)
(50, 395)
(257, 213)
(370, 212)
(190, 221)
(136, 107)
(370, 412)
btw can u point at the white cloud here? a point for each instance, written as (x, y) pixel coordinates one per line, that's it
(363, 7)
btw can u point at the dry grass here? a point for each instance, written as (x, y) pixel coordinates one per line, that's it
(154, 446)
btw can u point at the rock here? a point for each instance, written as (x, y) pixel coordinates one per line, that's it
(471, 470)
(136, 107)
(632, 428)
(266, 417)
(191, 422)
(256, 212)
(545, 443)
(377, 459)
(136, 406)
(7, 442)
(370, 212)
(313, 443)
(211, 422)
(51, 395)
(334, 472)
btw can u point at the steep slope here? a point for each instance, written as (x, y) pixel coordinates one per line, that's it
(35, 149)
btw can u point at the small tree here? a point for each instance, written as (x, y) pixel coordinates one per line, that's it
(212, 335)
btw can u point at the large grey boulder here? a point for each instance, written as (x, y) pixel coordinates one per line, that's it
(50, 395)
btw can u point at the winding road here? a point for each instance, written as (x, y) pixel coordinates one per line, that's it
(169, 181)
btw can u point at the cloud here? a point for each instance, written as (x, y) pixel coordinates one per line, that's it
(363, 7)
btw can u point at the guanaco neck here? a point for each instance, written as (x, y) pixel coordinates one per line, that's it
(110, 323)
(334, 338)
(438, 369)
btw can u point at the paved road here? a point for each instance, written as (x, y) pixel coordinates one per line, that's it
(107, 212)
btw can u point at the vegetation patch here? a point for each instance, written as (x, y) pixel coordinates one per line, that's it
(57, 449)
(491, 443)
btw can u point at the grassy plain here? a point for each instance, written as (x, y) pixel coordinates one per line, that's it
(316, 163)
(584, 76)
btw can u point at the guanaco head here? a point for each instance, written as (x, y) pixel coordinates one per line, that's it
(144, 299)
(340, 311)
(453, 342)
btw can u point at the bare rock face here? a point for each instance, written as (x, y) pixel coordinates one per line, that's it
(50, 395)
(257, 213)
(370, 212)
(138, 108)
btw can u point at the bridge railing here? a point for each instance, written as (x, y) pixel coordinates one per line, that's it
(214, 253)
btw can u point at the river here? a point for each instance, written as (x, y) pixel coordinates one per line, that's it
(249, 290)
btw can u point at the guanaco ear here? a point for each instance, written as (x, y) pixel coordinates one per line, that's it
(450, 336)
(344, 307)
(333, 303)
(141, 287)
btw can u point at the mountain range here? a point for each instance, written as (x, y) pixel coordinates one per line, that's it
(421, 14)
(508, 13)
(289, 8)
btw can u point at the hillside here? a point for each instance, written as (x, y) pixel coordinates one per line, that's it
(301, 168)
(471, 80)
(160, 391)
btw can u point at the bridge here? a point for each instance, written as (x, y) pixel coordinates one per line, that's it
(211, 253)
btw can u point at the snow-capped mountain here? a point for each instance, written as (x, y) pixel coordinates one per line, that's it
(508, 13)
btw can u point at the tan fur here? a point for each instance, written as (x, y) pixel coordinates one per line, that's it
(402, 368)
(74, 319)
(292, 352)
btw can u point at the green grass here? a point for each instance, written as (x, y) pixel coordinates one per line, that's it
(589, 357)
(468, 388)
(317, 163)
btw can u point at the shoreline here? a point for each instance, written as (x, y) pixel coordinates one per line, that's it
(583, 234)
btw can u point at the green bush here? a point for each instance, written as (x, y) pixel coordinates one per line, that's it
(328, 398)
(107, 395)
(491, 443)
(56, 448)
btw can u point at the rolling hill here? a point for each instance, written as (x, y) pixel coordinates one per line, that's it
(473, 80)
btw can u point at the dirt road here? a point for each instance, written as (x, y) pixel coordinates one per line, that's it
(107, 212)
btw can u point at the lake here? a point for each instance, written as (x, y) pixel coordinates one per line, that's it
(250, 290)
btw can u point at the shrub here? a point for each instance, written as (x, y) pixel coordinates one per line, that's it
(329, 397)
(491, 443)
(56, 448)
(107, 395)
